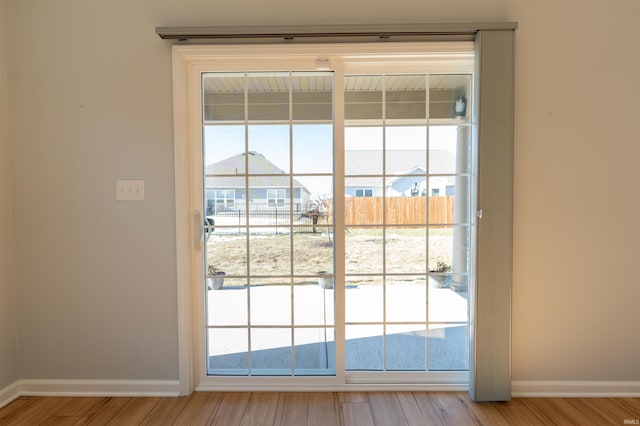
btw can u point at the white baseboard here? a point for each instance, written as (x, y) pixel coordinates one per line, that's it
(171, 388)
(577, 388)
(89, 388)
(9, 393)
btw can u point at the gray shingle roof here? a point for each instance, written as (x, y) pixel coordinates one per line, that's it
(357, 162)
(368, 162)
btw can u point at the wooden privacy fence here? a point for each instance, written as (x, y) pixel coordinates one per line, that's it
(399, 210)
(357, 211)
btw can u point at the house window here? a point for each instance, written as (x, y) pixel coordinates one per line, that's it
(435, 192)
(364, 192)
(276, 197)
(224, 198)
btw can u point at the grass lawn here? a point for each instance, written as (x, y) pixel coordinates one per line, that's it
(308, 253)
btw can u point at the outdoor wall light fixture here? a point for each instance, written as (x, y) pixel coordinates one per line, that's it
(460, 107)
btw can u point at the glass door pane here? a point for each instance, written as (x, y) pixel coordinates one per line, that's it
(407, 186)
(268, 190)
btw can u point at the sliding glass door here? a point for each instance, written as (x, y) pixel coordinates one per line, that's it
(337, 215)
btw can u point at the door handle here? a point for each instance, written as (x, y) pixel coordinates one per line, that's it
(198, 228)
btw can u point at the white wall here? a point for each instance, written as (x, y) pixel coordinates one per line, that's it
(8, 327)
(575, 288)
(90, 102)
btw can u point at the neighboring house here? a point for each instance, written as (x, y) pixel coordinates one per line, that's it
(406, 173)
(226, 185)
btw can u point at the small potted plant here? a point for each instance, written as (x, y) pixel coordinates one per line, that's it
(215, 278)
(325, 279)
(438, 280)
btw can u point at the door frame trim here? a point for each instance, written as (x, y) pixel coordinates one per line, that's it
(186, 56)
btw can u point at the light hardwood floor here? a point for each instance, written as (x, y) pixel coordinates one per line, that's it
(322, 409)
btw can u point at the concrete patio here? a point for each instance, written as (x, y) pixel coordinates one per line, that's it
(409, 343)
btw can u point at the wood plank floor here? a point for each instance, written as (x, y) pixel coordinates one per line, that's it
(321, 409)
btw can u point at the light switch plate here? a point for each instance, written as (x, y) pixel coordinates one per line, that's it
(129, 190)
